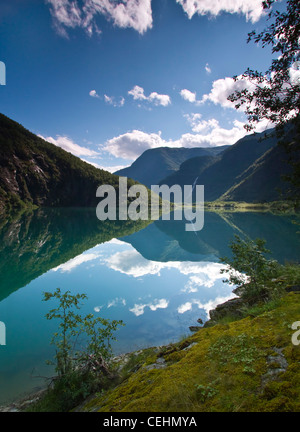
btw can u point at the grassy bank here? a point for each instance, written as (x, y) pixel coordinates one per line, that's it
(285, 207)
(246, 365)
(245, 358)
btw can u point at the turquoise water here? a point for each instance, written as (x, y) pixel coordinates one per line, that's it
(157, 278)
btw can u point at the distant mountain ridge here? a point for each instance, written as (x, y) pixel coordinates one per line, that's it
(224, 172)
(155, 164)
(252, 170)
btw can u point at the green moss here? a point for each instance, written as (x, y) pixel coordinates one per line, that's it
(226, 370)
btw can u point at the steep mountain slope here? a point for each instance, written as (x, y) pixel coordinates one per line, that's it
(265, 179)
(155, 164)
(33, 171)
(225, 172)
(262, 181)
(190, 170)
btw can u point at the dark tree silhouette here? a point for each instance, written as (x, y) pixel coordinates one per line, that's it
(276, 94)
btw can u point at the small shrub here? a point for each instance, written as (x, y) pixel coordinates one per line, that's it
(204, 392)
(249, 270)
(79, 373)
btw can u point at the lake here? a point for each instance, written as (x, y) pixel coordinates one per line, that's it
(156, 277)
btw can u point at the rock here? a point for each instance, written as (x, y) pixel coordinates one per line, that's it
(293, 288)
(21, 405)
(194, 328)
(239, 291)
(278, 360)
(159, 364)
(199, 320)
(190, 346)
(231, 307)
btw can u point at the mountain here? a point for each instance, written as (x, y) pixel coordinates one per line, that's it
(155, 164)
(35, 172)
(250, 170)
(263, 180)
(190, 170)
(166, 241)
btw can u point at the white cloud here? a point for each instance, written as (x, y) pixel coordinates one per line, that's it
(295, 73)
(208, 69)
(69, 145)
(75, 262)
(209, 133)
(208, 306)
(112, 101)
(159, 304)
(159, 99)
(110, 169)
(207, 277)
(116, 241)
(252, 9)
(114, 168)
(137, 93)
(138, 309)
(188, 95)
(94, 94)
(115, 302)
(224, 87)
(132, 144)
(199, 125)
(199, 275)
(137, 14)
(220, 91)
(185, 307)
(132, 263)
(67, 14)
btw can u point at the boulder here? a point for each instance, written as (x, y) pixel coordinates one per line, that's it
(231, 307)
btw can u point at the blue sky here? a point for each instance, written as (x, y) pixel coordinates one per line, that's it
(108, 79)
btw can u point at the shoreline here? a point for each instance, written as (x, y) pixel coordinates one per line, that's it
(22, 402)
(157, 360)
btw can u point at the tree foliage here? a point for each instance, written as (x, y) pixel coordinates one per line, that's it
(275, 94)
(82, 366)
(249, 269)
(97, 335)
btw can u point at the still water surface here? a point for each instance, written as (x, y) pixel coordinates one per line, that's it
(157, 278)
